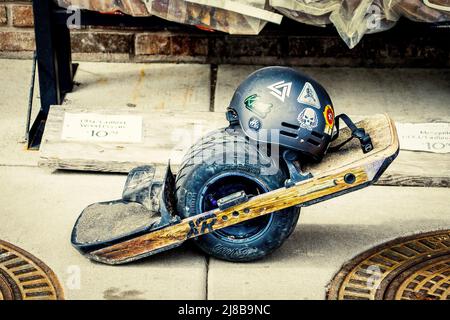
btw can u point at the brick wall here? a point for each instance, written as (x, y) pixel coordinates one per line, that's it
(16, 22)
(124, 44)
(111, 44)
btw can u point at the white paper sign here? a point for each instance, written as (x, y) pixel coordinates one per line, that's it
(430, 137)
(102, 128)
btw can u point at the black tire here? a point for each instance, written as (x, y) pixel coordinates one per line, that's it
(204, 177)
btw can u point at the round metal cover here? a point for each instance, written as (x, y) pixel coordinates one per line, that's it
(411, 268)
(24, 277)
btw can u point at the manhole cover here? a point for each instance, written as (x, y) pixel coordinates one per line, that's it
(24, 277)
(410, 268)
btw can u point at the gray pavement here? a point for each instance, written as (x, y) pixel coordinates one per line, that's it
(328, 234)
(39, 207)
(15, 77)
(38, 212)
(159, 87)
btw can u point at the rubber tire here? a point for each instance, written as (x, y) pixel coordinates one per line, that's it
(193, 176)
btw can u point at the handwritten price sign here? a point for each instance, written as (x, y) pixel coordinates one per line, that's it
(102, 128)
(429, 137)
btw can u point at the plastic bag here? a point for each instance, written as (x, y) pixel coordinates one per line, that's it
(355, 18)
(234, 17)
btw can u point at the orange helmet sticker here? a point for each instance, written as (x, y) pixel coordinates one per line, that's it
(328, 114)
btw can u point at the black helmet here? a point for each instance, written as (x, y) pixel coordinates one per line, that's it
(288, 101)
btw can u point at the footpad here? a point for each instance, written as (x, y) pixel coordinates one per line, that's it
(109, 222)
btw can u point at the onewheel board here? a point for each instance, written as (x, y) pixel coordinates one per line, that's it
(339, 173)
(25, 277)
(410, 268)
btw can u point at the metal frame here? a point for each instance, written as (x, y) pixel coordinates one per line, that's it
(54, 63)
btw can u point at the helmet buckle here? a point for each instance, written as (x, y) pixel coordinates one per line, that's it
(232, 116)
(364, 139)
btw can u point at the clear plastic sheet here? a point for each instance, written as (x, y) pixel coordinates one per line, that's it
(234, 17)
(355, 18)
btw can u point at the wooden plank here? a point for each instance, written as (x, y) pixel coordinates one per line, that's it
(160, 143)
(166, 135)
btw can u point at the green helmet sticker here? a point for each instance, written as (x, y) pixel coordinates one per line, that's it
(259, 108)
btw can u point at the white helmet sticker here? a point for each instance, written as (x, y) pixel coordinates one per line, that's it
(281, 89)
(308, 119)
(309, 96)
(254, 123)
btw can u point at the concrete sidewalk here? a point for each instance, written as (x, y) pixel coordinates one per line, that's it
(40, 207)
(329, 234)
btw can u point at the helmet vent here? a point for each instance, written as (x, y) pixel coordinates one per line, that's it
(289, 134)
(313, 142)
(317, 134)
(290, 126)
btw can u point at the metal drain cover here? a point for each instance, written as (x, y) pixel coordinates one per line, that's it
(411, 268)
(24, 277)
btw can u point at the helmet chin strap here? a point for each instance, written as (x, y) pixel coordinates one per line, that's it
(359, 133)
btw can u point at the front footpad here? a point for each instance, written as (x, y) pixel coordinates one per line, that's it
(105, 223)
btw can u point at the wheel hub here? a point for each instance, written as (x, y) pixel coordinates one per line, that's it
(224, 185)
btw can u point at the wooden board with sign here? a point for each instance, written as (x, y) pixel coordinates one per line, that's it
(167, 135)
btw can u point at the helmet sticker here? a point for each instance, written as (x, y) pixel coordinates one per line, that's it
(253, 104)
(254, 123)
(309, 96)
(281, 89)
(328, 114)
(308, 119)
